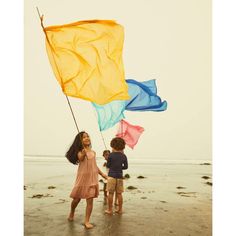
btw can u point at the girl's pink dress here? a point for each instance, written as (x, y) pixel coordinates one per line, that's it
(86, 184)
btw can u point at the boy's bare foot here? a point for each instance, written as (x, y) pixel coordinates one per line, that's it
(118, 211)
(108, 212)
(70, 217)
(88, 225)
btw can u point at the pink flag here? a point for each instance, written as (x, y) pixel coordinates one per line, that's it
(130, 133)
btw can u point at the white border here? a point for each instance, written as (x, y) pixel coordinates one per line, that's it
(224, 117)
(11, 124)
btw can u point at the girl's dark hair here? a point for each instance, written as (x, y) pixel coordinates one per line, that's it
(118, 143)
(77, 146)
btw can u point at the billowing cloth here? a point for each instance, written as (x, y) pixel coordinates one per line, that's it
(130, 133)
(109, 114)
(86, 58)
(143, 97)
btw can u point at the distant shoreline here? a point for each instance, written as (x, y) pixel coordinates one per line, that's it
(37, 158)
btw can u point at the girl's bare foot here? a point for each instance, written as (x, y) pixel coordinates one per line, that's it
(70, 217)
(108, 212)
(88, 225)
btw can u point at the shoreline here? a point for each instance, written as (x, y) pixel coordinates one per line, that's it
(131, 160)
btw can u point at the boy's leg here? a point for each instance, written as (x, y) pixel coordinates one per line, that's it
(74, 204)
(116, 199)
(105, 190)
(119, 191)
(111, 184)
(110, 202)
(120, 202)
(89, 209)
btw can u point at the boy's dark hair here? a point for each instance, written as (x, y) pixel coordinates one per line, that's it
(118, 143)
(106, 151)
(77, 146)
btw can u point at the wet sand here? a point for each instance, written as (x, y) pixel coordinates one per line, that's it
(172, 199)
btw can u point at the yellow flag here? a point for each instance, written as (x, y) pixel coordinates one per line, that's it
(86, 58)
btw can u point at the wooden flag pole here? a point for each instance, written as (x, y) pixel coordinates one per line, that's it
(41, 19)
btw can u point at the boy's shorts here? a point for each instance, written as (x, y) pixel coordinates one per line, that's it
(115, 185)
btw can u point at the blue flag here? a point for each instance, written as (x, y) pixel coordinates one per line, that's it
(143, 97)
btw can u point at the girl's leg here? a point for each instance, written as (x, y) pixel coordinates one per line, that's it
(110, 202)
(74, 204)
(89, 209)
(120, 202)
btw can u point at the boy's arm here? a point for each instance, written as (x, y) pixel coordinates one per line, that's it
(125, 163)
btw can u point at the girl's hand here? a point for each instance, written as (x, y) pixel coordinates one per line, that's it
(83, 152)
(81, 155)
(104, 176)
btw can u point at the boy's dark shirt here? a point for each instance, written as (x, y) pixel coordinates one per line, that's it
(117, 162)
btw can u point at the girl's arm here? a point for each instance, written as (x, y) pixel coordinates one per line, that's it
(102, 174)
(81, 155)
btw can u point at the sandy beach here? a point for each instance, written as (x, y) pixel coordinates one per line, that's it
(174, 198)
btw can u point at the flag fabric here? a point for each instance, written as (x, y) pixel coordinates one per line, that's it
(130, 133)
(109, 114)
(86, 58)
(143, 97)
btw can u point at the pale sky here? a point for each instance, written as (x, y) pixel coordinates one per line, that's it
(166, 40)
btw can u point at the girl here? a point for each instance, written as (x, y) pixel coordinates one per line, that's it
(86, 184)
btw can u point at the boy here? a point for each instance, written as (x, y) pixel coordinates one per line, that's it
(117, 161)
